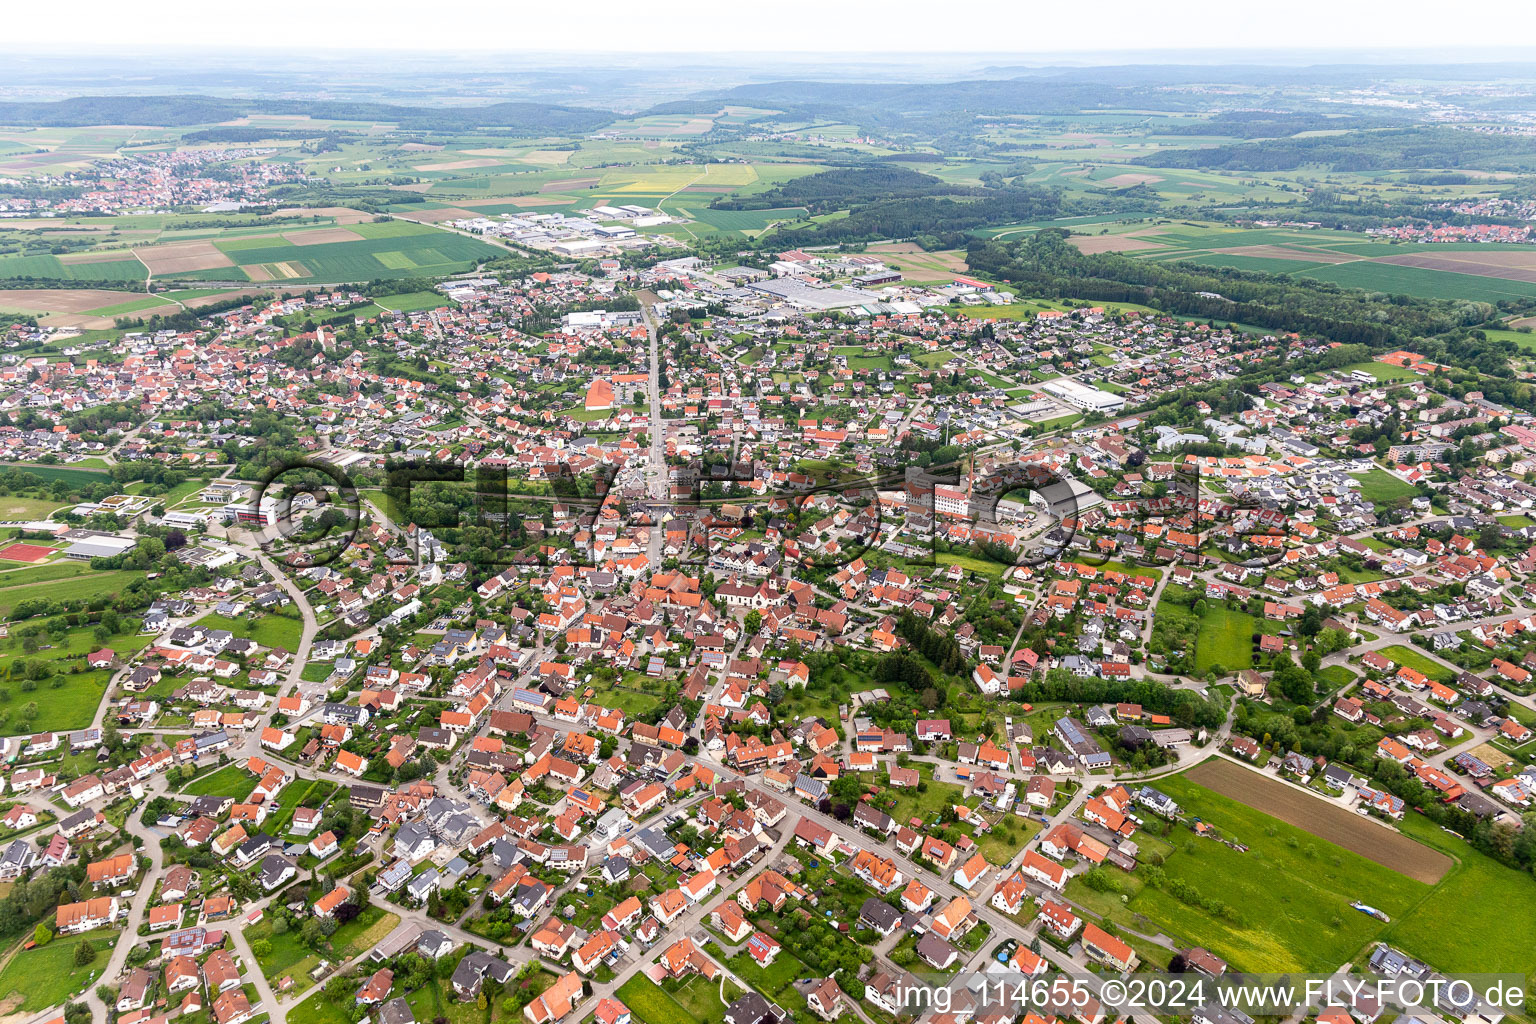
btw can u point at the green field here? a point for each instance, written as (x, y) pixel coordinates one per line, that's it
(744, 220)
(66, 473)
(274, 629)
(1402, 655)
(1225, 639)
(130, 306)
(232, 780)
(13, 506)
(410, 250)
(1289, 893)
(1477, 919)
(386, 250)
(55, 570)
(410, 302)
(1384, 372)
(1379, 486)
(650, 1005)
(121, 271)
(47, 976)
(1419, 282)
(106, 582)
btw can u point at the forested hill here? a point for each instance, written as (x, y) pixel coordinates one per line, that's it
(843, 187)
(1397, 149)
(935, 222)
(179, 111)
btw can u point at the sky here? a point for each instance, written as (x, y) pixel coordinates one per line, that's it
(1025, 27)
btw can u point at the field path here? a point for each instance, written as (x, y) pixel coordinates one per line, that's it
(684, 225)
(149, 277)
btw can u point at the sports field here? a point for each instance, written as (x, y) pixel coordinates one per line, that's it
(25, 552)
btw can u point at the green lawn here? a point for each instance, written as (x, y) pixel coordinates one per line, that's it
(1290, 892)
(1225, 639)
(1402, 654)
(232, 780)
(1378, 485)
(1336, 676)
(272, 629)
(47, 976)
(701, 998)
(363, 932)
(70, 705)
(13, 506)
(650, 1005)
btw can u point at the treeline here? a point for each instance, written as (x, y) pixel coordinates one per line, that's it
(843, 187)
(370, 200)
(1047, 264)
(178, 111)
(1273, 124)
(1186, 707)
(1394, 149)
(229, 134)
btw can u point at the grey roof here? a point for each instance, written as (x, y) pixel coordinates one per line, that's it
(879, 914)
(396, 1011)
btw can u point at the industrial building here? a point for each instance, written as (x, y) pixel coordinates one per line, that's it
(1082, 396)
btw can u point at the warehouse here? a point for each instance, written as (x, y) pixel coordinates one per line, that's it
(1083, 397)
(99, 546)
(1068, 497)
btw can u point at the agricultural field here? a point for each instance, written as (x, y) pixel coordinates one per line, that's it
(1477, 272)
(363, 250)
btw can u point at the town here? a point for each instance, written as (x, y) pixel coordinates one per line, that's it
(634, 627)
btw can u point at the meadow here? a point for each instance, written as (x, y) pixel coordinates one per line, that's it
(1377, 485)
(47, 976)
(1225, 639)
(1289, 892)
(1476, 919)
(1404, 655)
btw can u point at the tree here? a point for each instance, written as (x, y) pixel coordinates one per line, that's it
(1295, 683)
(42, 934)
(311, 934)
(85, 953)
